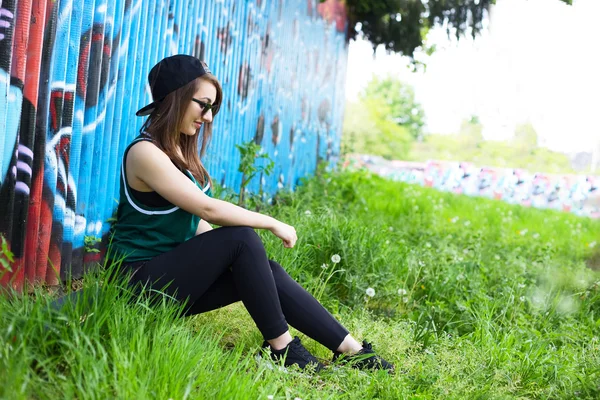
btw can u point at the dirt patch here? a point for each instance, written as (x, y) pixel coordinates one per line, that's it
(594, 261)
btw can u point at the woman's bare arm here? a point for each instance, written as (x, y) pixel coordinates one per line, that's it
(151, 165)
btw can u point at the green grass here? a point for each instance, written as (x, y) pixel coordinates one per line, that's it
(473, 299)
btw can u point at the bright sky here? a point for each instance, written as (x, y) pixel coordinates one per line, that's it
(539, 61)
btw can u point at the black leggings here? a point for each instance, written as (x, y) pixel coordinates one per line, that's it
(228, 264)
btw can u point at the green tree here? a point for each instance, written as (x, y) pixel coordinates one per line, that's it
(526, 137)
(401, 25)
(369, 129)
(471, 131)
(400, 99)
(385, 121)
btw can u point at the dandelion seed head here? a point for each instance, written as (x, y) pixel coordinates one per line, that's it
(307, 212)
(370, 292)
(336, 258)
(401, 292)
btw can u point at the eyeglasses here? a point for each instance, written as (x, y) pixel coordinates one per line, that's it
(207, 106)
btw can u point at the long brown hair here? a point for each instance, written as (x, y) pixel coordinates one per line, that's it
(164, 127)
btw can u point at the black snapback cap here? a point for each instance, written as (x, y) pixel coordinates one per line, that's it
(170, 74)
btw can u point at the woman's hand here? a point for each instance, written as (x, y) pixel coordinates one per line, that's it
(286, 233)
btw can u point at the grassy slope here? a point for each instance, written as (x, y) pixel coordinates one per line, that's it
(473, 298)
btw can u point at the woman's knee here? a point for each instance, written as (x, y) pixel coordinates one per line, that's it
(244, 232)
(247, 236)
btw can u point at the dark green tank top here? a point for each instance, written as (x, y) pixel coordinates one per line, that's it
(141, 232)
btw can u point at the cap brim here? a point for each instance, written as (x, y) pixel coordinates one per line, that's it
(147, 110)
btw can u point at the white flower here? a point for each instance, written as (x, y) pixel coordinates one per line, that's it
(522, 298)
(370, 292)
(427, 244)
(307, 212)
(336, 258)
(405, 299)
(421, 263)
(497, 257)
(391, 228)
(324, 266)
(401, 292)
(270, 397)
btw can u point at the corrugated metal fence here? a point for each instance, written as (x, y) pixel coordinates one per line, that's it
(72, 74)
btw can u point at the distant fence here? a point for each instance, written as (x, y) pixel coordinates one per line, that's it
(579, 194)
(72, 74)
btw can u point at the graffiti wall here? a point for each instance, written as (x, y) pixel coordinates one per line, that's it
(73, 73)
(579, 194)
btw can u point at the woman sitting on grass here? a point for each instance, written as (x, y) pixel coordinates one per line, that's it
(163, 234)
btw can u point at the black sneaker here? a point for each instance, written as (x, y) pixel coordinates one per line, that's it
(294, 353)
(364, 359)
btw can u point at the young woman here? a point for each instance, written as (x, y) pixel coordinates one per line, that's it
(163, 234)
